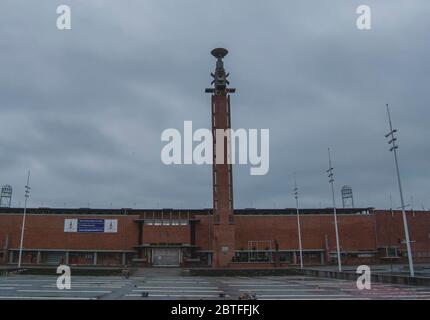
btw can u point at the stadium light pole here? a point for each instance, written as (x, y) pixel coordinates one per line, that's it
(331, 181)
(296, 196)
(391, 230)
(27, 195)
(393, 149)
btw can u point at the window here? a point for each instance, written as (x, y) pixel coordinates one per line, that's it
(167, 222)
(391, 252)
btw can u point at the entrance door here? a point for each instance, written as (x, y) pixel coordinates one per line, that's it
(165, 257)
(53, 257)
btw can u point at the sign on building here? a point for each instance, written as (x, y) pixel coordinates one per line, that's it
(70, 225)
(91, 225)
(111, 225)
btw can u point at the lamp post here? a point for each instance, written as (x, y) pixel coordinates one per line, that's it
(27, 195)
(331, 181)
(393, 149)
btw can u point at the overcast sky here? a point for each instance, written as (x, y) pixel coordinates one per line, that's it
(84, 109)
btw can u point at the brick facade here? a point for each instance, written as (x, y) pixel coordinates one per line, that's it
(365, 238)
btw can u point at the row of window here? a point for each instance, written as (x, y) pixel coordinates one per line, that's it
(269, 256)
(422, 254)
(166, 222)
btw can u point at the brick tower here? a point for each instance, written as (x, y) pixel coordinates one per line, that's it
(223, 233)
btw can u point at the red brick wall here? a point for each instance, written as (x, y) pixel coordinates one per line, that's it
(47, 232)
(202, 232)
(357, 232)
(166, 234)
(391, 230)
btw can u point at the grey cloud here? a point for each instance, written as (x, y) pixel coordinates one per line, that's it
(84, 109)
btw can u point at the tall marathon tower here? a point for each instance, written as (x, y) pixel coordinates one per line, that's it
(223, 230)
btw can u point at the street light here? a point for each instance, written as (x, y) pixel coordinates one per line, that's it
(331, 181)
(393, 148)
(27, 195)
(296, 196)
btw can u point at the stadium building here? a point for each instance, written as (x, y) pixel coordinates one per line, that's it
(172, 237)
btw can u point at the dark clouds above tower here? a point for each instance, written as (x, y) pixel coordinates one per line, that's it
(84, 109)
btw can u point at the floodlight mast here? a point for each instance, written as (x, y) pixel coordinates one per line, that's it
(331, 181)
(27, 195)
(394, 146)
(296, 196)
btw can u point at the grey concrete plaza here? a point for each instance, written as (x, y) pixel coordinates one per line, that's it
(169, 284)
